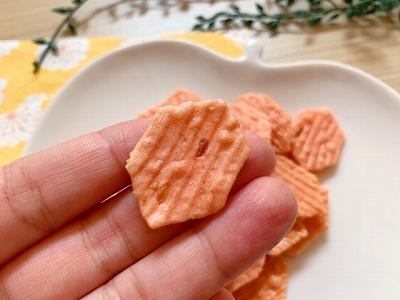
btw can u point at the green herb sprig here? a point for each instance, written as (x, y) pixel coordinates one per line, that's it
(68, 12)
(318, 11)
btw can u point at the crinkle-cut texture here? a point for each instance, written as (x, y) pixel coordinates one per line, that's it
(186, 162)
(252, 120)
(304, 230)
(270, 284)
(249, 275)
(281, 121)
(297, 233)
(315, 225)
(179, 96)
(317, 140)
(305, 186)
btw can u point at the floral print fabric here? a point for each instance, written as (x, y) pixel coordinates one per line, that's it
(24, 96)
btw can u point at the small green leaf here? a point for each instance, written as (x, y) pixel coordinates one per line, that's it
(319, 11)
(36, 66)
(235, 9)
(247, 23)
(53, 47)
(333, 17)
(72, 28)
(260, 9)
(228, 21)
(63, 10)
(315, 16)
(200, 19)
(40, 41)
(273, 25)
(287, 2)
(211, 25)
(314, 3)
(384, 7)
(301, 14)
(313, 21)
(350, 12)
(197, 27)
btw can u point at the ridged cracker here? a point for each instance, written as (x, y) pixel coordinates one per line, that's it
(304, 185)
(186, 162)
(317, 140)
(281, 121)
(270, 284)
(179, 96)
(252, 120)
(246, 277)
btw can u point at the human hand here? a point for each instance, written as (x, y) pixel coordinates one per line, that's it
(59, 239)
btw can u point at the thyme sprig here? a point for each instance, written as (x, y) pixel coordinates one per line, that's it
(68, 12)
(318, 11)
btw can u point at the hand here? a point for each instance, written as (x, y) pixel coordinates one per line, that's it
(59, 239)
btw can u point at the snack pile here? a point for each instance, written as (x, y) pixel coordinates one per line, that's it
(304, 145)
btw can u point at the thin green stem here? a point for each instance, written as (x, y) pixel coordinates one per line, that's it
(316, 13)
(50, 44)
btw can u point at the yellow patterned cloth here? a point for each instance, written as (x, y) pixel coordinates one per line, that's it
(24, 96)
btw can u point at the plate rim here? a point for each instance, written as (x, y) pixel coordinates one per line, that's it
(252, 56)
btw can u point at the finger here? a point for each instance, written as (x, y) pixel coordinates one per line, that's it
(223, 294)
(89, 252)
(41, 192)
(261, 161)
(202, 260)
(99, 244)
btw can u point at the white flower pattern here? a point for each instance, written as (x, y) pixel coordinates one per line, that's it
(71, 51)
(17, 125)
(3, 84)
(240, 36)
(7, 46)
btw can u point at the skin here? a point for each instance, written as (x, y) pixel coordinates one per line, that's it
(60, 240)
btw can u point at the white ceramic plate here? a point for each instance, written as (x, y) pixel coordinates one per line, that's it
(358, 258)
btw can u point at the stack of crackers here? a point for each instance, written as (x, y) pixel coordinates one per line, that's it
(304, 146)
